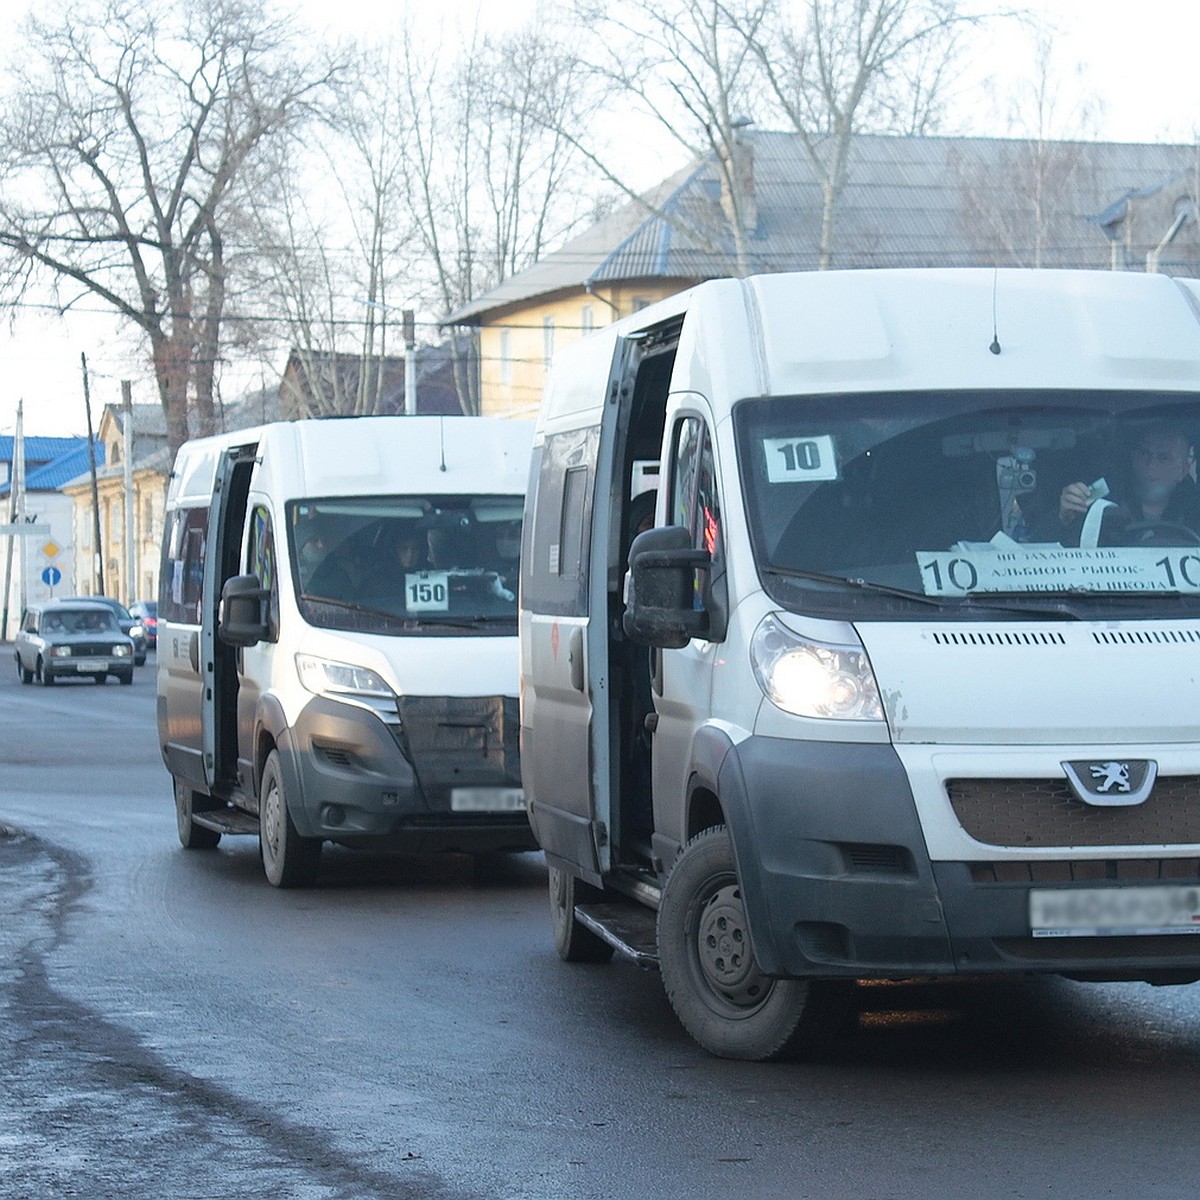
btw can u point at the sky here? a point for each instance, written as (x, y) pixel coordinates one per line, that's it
(1121, 71)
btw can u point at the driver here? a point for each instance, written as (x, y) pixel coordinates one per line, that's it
(1163, 488)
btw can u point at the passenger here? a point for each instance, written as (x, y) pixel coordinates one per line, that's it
(1162, 490)
(337, 574)
(405, 556)
(410, 552)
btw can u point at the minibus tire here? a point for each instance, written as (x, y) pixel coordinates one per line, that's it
(708, 970)
(288, 859)
(573, 941)
(191, 835)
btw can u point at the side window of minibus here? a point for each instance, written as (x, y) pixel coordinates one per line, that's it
(556, 562)
(181, 582)
(261, 562)
(696, 504)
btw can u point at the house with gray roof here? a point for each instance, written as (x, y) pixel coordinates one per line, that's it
(907, 202)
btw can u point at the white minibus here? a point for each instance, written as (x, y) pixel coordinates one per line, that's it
(337, 643)
(904, 679)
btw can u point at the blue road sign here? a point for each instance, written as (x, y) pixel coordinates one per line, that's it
(52, 576)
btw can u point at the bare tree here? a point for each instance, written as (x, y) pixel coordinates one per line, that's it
(490, 167)
(689, 68)
(856, 65)
(1046, 184)
(122, 148)
(333, 241)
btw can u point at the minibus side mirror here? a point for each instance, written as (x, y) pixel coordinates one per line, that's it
(243, 620)
(661, 594)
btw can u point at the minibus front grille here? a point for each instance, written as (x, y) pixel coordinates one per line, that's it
(1045, 812)
(460, 741)
(1088, 870)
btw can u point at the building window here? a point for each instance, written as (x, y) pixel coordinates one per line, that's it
(640, 302)
(587, 318)
(505, 356)
(547, 340)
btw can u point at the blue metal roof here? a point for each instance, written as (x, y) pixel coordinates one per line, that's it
(43, 476)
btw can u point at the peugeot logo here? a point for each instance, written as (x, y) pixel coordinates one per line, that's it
(1111, 782)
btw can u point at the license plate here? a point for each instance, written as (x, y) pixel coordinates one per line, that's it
(90, 664)
(484, 799)
(1113, 912)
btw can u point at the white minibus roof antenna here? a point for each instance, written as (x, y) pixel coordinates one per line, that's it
(995, 346)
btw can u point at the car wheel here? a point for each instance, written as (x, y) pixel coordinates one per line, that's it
(708, 968)
(573, 941)
(289, 860)
(187, 802)
(140, 662)
(100, 676)
(126, 677)
(26, 676)
(43, 676)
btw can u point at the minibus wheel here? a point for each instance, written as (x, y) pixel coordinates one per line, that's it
(289, 860)
(712, 979)
(573, 941)
(191, 835)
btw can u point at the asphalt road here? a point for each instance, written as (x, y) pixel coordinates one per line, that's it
(173, 1027)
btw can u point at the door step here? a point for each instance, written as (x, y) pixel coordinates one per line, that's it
(227, 820)
(625, 925)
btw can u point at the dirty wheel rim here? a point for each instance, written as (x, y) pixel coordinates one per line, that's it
(270, 821)
(723, 958)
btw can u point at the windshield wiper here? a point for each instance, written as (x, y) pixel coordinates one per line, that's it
(1004, 602)
(467, 622)
(862, 585)
(354, 606)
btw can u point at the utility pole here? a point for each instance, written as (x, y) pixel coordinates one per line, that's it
(130, 555)
(97, 549)
(19, 486)
(410, 362)
(18, 452)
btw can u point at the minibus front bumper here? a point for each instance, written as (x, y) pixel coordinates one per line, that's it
(365, 781)
(837, 880)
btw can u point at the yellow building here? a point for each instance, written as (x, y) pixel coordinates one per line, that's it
(150, 463)
(622, 264)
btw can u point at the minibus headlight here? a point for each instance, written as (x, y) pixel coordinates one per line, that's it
(324, 677)
(813, 679)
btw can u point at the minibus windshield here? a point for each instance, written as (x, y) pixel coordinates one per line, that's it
(1082, 503)
(413, 565)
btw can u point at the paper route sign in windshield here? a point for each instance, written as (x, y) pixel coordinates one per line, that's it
(1004, 565)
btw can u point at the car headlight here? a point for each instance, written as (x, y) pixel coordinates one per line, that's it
(121, 651)
(60, 651)
(813, 679)
(137, 631)
(324, 677)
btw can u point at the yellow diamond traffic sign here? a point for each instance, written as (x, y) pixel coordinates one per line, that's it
(50, 549)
